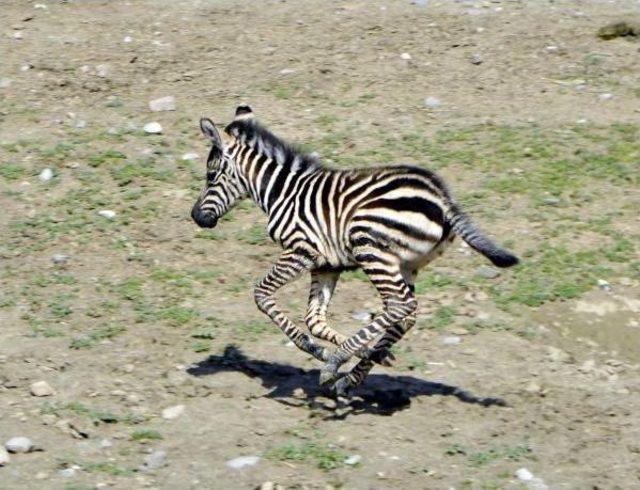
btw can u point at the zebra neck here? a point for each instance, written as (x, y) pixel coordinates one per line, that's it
(266, 180)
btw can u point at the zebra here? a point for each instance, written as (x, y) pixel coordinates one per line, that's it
(387, 221)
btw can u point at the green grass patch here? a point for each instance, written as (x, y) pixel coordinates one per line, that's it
(323, 457)
(94, 337)
(146, 435)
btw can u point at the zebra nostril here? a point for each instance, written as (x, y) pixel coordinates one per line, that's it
(204, 219)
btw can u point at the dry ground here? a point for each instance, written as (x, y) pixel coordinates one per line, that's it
(540, 142)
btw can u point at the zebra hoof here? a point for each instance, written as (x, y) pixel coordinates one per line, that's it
(328, 374)
(342, 388)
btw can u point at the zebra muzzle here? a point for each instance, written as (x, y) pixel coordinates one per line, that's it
(204, 219)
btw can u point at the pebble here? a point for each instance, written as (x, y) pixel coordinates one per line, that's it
(40, 6)
(190, 157)
(5, 83)
(604, 285)
(171, 413)
(107, 213)
(487, 272)
(432, 102)
(287, 71)
(558, 355)
(17, 35)
(4, 456)
(605, 96)
(551, 201)
(60, 259)
(269, 485)
(405, 56)
(19, 445)
(46, 175)
(476, 59)
(362, 316)
(451, 340)
(41, 388)
(243, 461)
(106, 444)
(155, 460)
(524, 474)
(68, 472)
(127, 39)
(420, 3)
(353, 460)
(102, 71)
(152, 128)
(167, 103)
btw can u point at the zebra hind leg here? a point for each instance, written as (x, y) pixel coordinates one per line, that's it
(288, 267)
(322, 287)
(399, 303)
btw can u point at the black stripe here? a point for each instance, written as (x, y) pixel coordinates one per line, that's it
(415, 204)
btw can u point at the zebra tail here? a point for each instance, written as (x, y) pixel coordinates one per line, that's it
(464, 227)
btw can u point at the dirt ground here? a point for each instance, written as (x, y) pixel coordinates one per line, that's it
(529, 116)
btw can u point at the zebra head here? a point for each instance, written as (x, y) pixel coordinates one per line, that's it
(223, 187)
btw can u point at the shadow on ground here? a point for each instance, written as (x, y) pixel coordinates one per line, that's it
(380, 394)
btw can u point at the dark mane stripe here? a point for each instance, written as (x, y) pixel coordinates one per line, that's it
(250, 132)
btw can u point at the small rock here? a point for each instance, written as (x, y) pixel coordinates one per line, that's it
(587, 366)
(81, 124)
(19, 445)
(524, 474)
(605, 96)
(243, 461)
(107, 213)
(551, 201)
(533, 388)
(102, 71)
(405, 56)
(420, 3)
(41, 388)
(152, 128)
(190, 157)
(299, 393)
(60, 259)
(106, 444)
(46, 175)
(4, 457)
(487, 272)
(17, 35)
(155, 460)
(40, 6)
(432, 102)
(353, 460)
(604, 285)
(362, 316)
(68, 472)
(167, 103)
(269, 485)
(5, 83)
(171, 413)
(476, 59)
(127, 39)
(558, 355)
(451, 340)
(287, 71)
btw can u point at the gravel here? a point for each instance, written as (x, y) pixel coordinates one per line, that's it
(171, 413)
(41, 388)
(242, 461)
(19, 445)
(167, 103)
(152, 128)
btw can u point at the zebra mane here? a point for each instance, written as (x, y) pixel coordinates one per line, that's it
(253, 134)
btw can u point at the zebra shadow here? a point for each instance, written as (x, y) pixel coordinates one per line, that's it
(380, 394)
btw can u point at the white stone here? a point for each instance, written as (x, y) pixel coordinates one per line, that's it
(171, 413)
(167, 103)
(155, 460)
(5, 83)
(106, 444)
(102, 71)
(353, 460)
(190, 157)
(46, 175)
(67, 472)
(451, 340)
(242, 461)
(127, 39)
(41, 388)
(107, 213)
(287, 71)
(605, 96)
(19, 445)
(4, 456)
(405, 56)
(152, 128)
(17, 35)
(524, 474)
(432, 102)
(41, 6)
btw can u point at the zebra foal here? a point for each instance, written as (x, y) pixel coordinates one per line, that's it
(388, 221)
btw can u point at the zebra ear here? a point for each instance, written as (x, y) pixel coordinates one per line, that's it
(243, 112)
(210, 131)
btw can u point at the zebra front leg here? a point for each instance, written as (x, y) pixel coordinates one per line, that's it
(289, 266)
(399, 303)
(322, 287)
